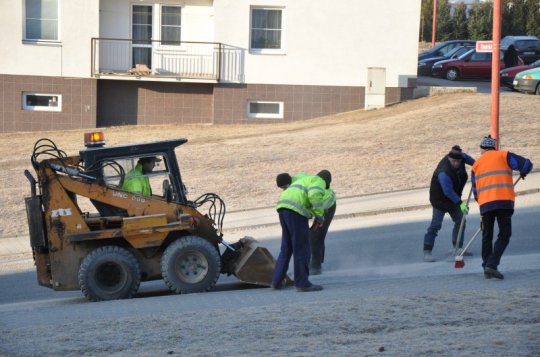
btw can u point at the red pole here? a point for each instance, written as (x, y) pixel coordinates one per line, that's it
(434, 27)
(495, 67)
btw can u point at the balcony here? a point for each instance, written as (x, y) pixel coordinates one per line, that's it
(203, 62)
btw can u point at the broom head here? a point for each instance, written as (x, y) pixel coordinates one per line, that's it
(459, 262)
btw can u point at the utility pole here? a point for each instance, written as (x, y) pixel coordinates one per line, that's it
(434, 27)
(495, 67)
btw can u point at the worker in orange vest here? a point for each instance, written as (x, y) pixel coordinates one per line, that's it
(493, 189)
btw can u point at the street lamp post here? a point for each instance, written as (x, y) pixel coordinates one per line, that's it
(495, 67)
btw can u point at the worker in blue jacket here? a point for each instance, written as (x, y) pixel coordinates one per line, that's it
(447, 183)
(300, 201)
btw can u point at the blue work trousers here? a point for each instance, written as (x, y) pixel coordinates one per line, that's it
(436, 224)
(492, 253)
(294, 242)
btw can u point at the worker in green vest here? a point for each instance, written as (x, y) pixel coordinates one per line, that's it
(136, 180)
(300, 201)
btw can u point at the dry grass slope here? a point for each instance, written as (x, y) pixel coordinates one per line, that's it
(389, 149)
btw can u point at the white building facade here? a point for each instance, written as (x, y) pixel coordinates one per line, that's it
(70, 64)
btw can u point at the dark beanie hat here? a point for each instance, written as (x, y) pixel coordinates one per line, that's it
(283, 179)
(488, 143)
(455, 153)
(326, 176)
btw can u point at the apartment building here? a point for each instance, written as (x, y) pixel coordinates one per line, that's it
(69, 64)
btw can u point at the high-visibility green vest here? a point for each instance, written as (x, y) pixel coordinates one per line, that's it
(329, 198)
(136, 182)
(304, 196)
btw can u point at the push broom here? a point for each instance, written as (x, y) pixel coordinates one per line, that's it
(461, 225)
(459, 262)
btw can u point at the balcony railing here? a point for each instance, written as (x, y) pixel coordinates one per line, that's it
(195, 61)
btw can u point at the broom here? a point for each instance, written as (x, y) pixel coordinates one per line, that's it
(461, 225)
(459, 262)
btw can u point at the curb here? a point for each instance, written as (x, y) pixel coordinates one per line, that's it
(362, 214)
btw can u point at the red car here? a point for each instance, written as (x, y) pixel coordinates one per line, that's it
(470, 65)
(506, 76)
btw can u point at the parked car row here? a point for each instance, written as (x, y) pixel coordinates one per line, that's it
(458, 59)
(506, 76)
(425, 65)
(471, 64)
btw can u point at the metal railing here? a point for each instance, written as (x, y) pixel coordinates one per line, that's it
(157, 59)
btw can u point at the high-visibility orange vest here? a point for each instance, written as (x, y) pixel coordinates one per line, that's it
(493, 177)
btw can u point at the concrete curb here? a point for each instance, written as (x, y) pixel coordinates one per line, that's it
(427, 91)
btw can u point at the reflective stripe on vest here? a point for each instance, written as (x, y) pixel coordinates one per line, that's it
(330, 200)
(303, 188)
(304, 212)
(493, 178)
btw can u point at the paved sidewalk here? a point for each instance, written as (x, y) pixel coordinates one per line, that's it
(347, 207)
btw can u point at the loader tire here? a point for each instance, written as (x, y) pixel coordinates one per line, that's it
(109, 273)
(191, 264)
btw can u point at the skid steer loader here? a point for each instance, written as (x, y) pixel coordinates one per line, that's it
(89, 232)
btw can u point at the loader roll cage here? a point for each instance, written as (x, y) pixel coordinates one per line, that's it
(94, 158)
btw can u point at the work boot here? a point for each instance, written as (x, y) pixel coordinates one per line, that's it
(312, 287)
(276, 287)
(492, 273)
(428, 257)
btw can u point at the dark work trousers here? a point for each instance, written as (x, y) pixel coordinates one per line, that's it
(294, 242)
(436, 224)
(491, 254)
(316, 239)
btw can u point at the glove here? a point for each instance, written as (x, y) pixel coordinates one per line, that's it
(317, 223)
(464, 208)
(522, 175)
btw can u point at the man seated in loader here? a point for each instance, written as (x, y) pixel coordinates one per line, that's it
(136, 180)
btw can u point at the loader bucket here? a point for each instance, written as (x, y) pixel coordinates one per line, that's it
(255, 265)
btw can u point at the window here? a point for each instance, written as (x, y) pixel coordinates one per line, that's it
(270, 110)
(42, 102)
(170, 25)
(142, 35)
(266, 30)
(156, 177)
(41, 23)
(481, 56)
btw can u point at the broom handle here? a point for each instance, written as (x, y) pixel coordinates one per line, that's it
(458, 238)
(479, 229)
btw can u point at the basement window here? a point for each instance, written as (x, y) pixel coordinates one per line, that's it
(266, 110)
(42, 102)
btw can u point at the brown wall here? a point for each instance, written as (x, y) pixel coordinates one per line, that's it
(147, 103)
(78, 103)
(90, 103)
(299, 102)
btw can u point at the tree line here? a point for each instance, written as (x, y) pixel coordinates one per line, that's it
(475, 22)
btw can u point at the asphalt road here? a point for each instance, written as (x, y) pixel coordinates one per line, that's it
(385, 243)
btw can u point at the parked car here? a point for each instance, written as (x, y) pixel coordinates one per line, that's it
(528, 81)
(443, 48)
(527, 47)
(506, 76)
(469, 65)
(424, 66)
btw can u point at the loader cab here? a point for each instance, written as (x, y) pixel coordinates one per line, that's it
(113, 165)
